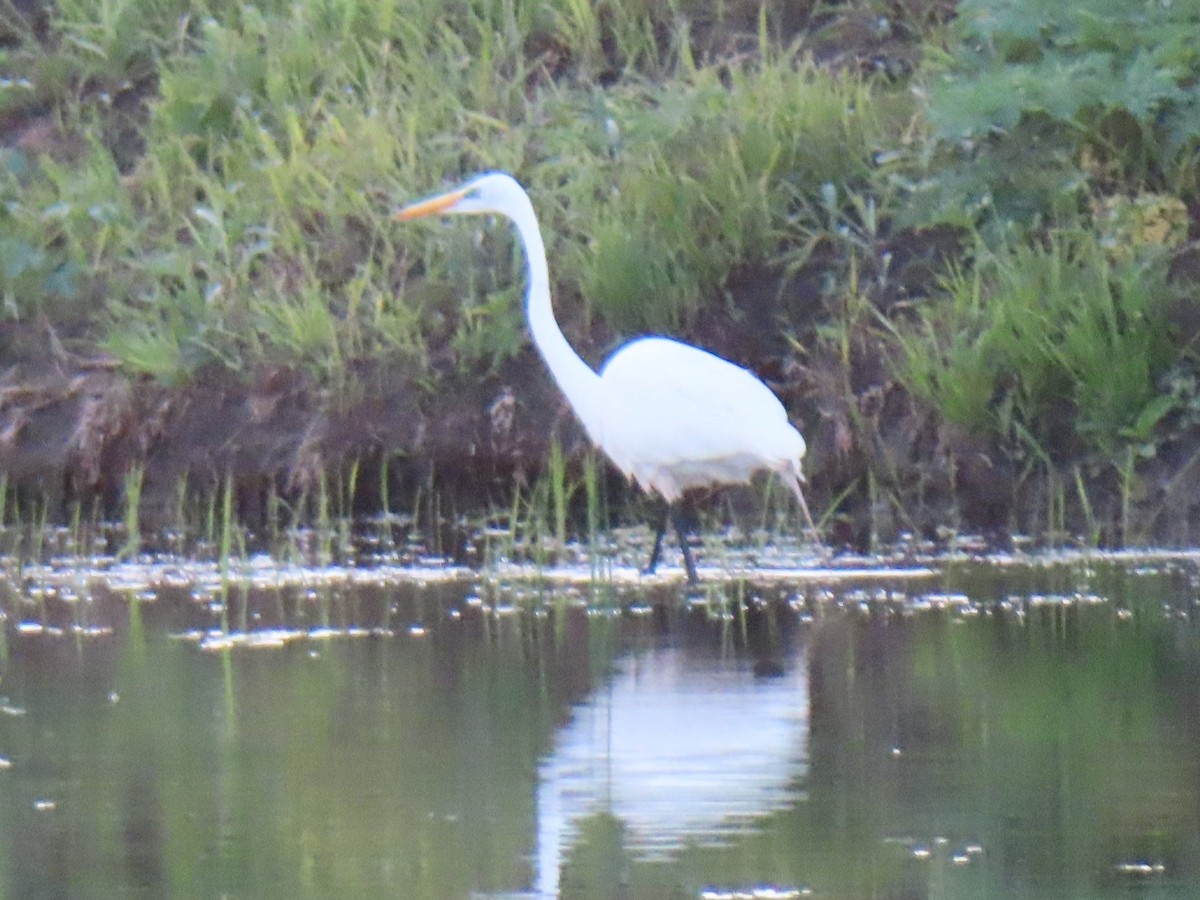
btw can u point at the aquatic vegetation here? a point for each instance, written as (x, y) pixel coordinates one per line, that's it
(133, 500)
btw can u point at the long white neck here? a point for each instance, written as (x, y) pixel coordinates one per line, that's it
(575, 378)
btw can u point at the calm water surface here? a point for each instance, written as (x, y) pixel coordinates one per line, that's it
(961, 729)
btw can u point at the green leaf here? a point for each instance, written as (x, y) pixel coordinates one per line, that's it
(1151, 415)
(1144, 88)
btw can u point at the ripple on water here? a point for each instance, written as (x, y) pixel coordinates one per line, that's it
(688, 747)
(278, 600)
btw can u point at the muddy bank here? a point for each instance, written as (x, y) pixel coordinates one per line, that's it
(72, 427)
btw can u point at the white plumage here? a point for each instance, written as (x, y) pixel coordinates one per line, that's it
(669, 415)
(682, 418)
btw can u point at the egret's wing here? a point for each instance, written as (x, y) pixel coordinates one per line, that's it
(670, 403)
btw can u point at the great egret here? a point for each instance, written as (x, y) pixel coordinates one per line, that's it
(669, 415)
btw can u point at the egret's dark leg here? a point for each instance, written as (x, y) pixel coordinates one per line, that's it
(659, 530)
(675, 514)
(681, 530)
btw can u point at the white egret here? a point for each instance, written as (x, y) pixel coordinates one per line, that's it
(669, 415)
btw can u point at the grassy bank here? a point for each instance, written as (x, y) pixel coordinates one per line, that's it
(957, 240)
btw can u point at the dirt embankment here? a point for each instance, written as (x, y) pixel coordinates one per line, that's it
(73, 426)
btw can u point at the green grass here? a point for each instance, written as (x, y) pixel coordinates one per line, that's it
(254, 223)
(1054, 344)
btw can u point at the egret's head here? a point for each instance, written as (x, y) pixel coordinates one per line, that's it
(495, 193)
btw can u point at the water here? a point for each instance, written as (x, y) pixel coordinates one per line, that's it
(946, 728)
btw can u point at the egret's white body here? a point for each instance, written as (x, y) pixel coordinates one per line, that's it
(669, 415)
(676, 417)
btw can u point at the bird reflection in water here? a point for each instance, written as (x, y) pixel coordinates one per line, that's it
(680, 749)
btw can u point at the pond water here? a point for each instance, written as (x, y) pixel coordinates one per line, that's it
(942, 727)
